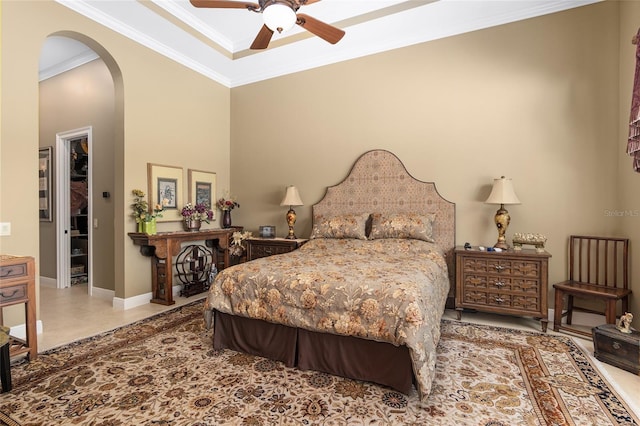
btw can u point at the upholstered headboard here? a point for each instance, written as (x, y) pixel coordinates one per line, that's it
(379, 183)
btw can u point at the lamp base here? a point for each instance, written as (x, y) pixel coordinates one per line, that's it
(291, 235)
(502, 220)
(501, 245)
(291, 220)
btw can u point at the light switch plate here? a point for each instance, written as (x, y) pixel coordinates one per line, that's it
(5, 229)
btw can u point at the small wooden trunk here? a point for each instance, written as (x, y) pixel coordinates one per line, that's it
(614, 347)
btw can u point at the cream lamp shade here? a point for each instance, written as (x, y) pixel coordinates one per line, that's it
(502, 193)
(291, 198)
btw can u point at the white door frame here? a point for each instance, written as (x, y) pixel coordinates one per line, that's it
(63, 210)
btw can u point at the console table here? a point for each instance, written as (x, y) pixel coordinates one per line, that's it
(163, 246)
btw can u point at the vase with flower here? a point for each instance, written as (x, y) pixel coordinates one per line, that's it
(226, 204)
(237, 246)
(145, 220)
(194, 215)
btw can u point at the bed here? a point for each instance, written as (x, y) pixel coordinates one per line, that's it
(363, 298)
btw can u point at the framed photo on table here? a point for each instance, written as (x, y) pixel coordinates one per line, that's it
(44, 184)
(267, 231)
(165, 187)
(202, 188)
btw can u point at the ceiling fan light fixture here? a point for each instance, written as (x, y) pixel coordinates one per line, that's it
(279, 17)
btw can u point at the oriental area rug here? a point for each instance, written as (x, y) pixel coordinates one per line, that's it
(163, 371)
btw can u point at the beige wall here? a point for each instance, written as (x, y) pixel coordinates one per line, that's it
(536, 101)
(628, 180)
(82, 97)
(165, 114)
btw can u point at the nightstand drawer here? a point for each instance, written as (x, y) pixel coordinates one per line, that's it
(502, 300)
(507, 284)
(501, 266)
(268, 250)
(13, 271)
(264, 247)
(14, 293)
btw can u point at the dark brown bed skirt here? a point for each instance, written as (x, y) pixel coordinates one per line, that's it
(344, 356)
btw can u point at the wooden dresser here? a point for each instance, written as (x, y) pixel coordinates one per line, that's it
(263, 247)
(509, 282)
(17, 285)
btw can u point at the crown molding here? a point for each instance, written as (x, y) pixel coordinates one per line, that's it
(109, 21)
(59, 68)
(430, 21)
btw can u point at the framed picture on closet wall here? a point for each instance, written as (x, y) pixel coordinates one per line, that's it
(44, 185)
(165, 187)
(202, 188)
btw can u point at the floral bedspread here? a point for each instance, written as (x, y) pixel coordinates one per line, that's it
(390, 290)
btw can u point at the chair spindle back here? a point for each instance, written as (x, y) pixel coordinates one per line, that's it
(599, 260)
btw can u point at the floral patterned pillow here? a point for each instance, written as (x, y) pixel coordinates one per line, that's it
(345, 226)
(402, 225)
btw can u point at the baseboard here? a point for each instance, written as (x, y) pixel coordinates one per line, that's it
(102, 293)
(48, 282)
(95, 291)
(20, 331)
(139, 300)
(118, 302)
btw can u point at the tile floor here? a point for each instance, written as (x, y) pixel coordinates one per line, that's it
(70, 314)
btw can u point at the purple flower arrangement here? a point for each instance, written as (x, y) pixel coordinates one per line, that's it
(199, 211)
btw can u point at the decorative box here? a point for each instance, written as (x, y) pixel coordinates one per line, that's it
(77, 269)
(614, 347)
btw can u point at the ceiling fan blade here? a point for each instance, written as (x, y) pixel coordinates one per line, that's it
(262, 39)
(225, 4)
(319, 28)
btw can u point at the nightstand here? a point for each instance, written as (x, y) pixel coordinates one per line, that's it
(509, 282)
(17, 286)
(263, 247)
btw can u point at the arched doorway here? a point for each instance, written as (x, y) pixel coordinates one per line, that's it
(79, 89)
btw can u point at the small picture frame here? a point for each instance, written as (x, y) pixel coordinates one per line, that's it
(165, 187)
(202, 188)
(267, 231)
(44, 183)
(167, 192)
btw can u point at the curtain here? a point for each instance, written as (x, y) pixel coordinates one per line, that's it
(633, 143)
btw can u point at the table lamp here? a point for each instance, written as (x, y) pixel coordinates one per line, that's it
(291, 198)
(502, 193)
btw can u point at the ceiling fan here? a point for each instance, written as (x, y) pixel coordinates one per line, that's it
(278, 15)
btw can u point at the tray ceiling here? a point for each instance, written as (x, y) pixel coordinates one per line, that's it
(215, 42)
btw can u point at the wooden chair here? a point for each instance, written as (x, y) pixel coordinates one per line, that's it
(598, 270)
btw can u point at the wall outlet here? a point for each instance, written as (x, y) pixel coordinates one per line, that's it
(5, 229)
